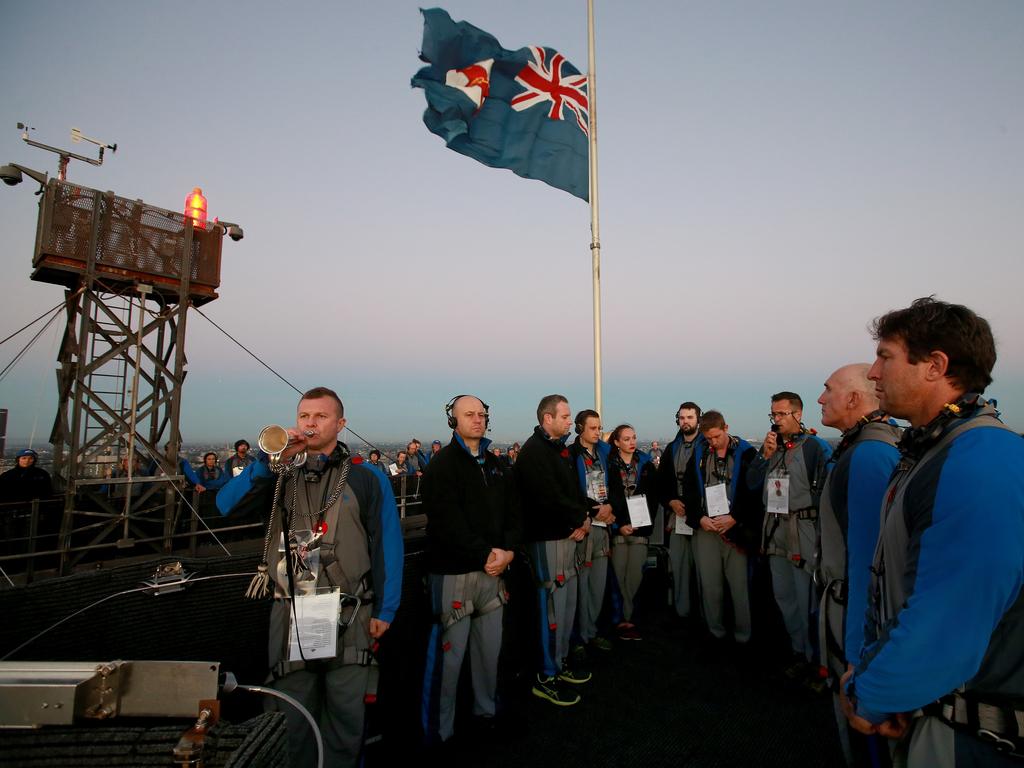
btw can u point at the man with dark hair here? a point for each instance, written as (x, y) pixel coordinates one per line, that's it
(790, 471)
(671, 476)
(239, 460)
(212, 479)
(26, 481)
(401, 465)
(942, 667)
(473, 530)
(374, 460)
(417, 460)
(725, 516)
(850, 501)
(589, 454)
(20, 484)
(334, 549)
(556, 518)
(210, 474)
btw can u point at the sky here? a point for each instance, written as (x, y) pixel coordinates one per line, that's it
(773, 176)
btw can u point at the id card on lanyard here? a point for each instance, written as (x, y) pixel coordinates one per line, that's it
(597, 489)
(778, 494)
(313, 626)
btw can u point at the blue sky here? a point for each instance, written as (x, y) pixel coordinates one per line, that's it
(773, 176)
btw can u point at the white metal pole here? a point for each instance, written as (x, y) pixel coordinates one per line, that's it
(595, 233)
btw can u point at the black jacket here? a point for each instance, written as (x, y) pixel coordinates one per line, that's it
(471, 508)
(549, 491)
(25, 484)
(668, 489)
(646, 484)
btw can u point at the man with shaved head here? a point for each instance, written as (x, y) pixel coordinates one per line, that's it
(850, 511)
(473, 529)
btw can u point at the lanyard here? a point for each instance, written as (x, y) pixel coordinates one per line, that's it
(720, 470)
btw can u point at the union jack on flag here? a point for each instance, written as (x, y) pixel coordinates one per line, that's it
(525, 110)
(545, 81)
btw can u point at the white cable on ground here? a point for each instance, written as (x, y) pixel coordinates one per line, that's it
(302, 711)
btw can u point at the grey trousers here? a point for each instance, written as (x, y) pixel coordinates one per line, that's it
(934, 744)
(680, 557)
(554, 571)
(447, 650)
(718, 565)
(334, 698)
(792, 589)
(629, 553)
(592, 556)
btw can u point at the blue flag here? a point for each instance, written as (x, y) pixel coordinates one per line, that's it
(524, 110)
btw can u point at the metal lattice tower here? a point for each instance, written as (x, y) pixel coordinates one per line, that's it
(131, 271)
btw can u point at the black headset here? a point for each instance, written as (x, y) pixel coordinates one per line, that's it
(850, 435)
(453, 422)
(581, 419)
(917, 440)
(697, 409)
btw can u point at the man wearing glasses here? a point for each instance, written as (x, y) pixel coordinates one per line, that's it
(790, 469)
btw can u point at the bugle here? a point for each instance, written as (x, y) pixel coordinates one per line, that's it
(274, 440)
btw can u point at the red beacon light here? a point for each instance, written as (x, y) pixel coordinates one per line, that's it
(195, 207)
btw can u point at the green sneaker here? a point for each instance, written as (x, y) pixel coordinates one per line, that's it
(601, 644)
(548, 688)
(574, 676)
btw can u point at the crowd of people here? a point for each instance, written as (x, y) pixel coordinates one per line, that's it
(896, 560)
(412, 461)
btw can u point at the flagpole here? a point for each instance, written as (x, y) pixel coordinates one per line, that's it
(595, 234)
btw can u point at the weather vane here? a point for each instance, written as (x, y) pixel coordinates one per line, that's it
(65, 156)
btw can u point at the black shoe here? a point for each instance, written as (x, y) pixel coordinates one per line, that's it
(548, 688)
(574, 676)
